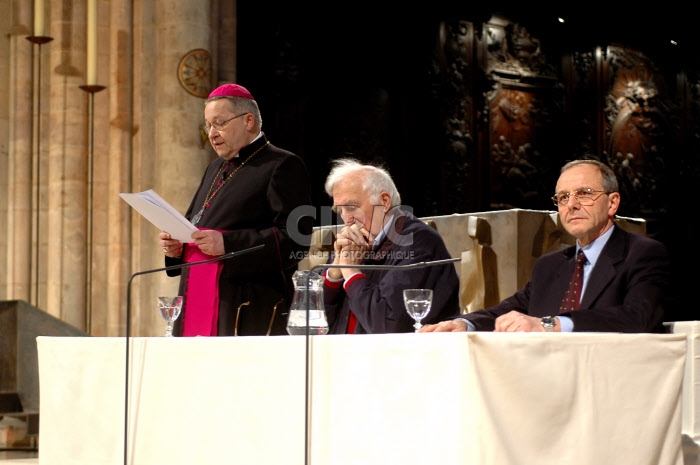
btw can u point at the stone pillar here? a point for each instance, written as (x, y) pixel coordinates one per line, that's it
(142, 235)
(63, 166)
(112, 236)
(17, 178)
(224, 43)
(5, 200)
(169, 157)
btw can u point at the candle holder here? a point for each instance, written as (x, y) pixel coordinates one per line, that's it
(39, 40)
(92, 89)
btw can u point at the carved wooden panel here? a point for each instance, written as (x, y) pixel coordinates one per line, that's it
(453, 74)
(639, 130)
(524, 106)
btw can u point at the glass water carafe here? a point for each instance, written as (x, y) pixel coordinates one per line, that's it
(308, 295)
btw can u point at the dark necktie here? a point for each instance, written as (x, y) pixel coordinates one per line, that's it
(572, 298)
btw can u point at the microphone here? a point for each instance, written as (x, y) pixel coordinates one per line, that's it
(408, 266)
(128, 320)
(390, 267)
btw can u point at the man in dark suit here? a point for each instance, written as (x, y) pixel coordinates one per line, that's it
(377, 232)
(626, 276)
(251, 194)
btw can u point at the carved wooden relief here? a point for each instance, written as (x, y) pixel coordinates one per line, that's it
(638, 131)
(522, 103)
(453, 70)
(689, 166)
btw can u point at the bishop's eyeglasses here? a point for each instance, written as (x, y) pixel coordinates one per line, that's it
(219, 126)
(585, 197)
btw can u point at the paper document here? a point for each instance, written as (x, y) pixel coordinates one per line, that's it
(161, 214)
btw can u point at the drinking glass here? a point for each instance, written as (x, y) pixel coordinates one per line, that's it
(170, 308)
(418, 302)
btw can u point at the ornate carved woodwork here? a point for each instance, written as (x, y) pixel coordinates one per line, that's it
(639, 131)
(524, 103)
(454, 76)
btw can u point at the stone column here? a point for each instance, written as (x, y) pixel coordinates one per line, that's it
(115, 130)
(63, 166)
(5, 200)
(168, 157)
(17, 177)
(224, 44)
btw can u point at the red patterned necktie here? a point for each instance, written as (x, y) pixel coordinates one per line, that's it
(572, 298)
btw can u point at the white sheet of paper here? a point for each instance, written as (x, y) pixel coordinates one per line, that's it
(161, 214)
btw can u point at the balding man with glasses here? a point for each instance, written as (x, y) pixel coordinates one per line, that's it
(621, 283)
(251, 194)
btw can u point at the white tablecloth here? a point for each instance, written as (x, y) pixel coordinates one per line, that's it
(449, 398)
(690, 400)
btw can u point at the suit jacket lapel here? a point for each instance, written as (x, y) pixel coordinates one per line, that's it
(558, 287)
(605, 268)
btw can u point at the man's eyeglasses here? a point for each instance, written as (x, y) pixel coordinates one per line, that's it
(219, 126)
(585, 197)
(343, 211)
(348, 209)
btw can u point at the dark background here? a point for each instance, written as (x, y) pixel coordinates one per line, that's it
(363, 79)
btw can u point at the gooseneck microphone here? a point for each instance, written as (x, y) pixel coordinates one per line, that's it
(408, 266)
(128, 321)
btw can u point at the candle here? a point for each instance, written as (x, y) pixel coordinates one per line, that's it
(38, 18)
(92, 43)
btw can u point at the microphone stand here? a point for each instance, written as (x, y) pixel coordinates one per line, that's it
(128, 322)
(410, 266)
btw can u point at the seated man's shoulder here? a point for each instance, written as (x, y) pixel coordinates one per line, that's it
(646, 242)
(413, 225)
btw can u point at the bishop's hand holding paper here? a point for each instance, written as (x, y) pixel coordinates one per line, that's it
(209, 242)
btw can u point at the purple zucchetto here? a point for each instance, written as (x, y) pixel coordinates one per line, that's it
(231, 90)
